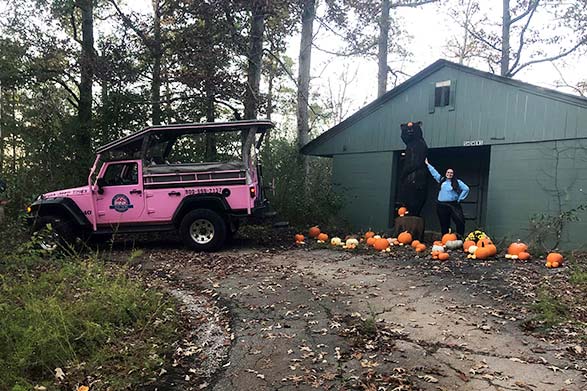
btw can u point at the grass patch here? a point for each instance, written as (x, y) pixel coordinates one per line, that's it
(549, 310)
(86, 317)
(578, 277)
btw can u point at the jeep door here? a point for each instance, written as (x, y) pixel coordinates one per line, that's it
(122, 200)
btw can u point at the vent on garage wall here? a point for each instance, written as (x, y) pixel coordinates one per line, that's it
(442, 95)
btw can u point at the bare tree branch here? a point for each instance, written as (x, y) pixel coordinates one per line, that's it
(414, 4)
(565, 83)
(483, 40)
(521, 45)
(531, 8)
(66, 88)
(552, 58)
(130, 24)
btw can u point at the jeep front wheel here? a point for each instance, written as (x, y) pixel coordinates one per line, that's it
(52, 233)
(203, 230)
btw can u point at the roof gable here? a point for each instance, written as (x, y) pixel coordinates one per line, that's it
(425, 73)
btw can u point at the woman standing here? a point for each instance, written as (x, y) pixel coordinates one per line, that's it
(452, 192)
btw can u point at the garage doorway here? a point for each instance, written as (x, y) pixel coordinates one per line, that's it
(471, 165)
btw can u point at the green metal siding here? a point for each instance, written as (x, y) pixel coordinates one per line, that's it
(364, 180)
(525, 178)
(485, 109)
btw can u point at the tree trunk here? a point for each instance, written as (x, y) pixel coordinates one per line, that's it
(305, 60)
(86, 80)
(253, 72)
(1, 127)
(505, 39)
(157, 53)
(382, 44)
(211, 153)
(255, 56)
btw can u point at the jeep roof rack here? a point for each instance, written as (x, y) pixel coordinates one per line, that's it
(262, 126)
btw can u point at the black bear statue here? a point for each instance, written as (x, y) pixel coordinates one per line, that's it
(414, 175)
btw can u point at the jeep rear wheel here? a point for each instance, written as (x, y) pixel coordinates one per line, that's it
(203, 230)
(52, 233)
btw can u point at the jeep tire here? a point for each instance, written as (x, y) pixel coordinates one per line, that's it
(203, 230)
(54, 233)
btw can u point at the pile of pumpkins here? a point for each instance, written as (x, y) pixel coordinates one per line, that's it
(483, 248)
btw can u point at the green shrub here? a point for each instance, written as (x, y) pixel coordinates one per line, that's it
(299, 198)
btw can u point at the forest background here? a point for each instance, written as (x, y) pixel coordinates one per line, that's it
(76, 74)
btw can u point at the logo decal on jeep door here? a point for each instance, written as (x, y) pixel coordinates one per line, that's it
(120, 203)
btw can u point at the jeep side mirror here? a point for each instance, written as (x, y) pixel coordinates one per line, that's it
(101, 182)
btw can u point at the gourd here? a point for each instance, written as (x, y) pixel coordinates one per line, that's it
(405, 237)
(299, 238)
(351, 243)
(415, 243)
(322, 237)
(454, 244)
(314, 232)
(335, 241)
(421, 248)
(402, 211)
(443, 256)
(554, 260)
(381, 244)
(523, 256)
(467, 244)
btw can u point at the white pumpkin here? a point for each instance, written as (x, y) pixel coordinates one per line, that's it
(438, 248)
(335, 241)
(472, 249)
(352, 242)
(454, 244)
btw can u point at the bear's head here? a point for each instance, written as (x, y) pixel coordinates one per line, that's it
(411, 131)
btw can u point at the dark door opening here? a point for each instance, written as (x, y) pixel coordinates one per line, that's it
(471, 165)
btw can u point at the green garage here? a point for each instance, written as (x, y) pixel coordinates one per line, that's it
(521, 148)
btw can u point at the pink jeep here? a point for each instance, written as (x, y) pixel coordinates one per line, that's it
(161, 179)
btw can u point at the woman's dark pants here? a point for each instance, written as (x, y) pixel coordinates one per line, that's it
(448, 210)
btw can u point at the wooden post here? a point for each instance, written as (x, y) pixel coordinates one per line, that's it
(413, 224)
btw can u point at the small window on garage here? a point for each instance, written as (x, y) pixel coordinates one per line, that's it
(442, 94)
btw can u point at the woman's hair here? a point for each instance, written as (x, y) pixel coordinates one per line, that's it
(454, 182)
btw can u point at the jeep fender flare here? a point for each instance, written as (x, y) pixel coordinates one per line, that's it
(206, 201)
(61, 206)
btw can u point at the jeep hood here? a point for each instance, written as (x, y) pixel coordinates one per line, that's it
(76, 191)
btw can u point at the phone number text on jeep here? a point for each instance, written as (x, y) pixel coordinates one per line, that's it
(208, 190)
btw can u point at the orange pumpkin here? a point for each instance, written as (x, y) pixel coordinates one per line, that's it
(299, 238)
(371, 241)
(467, 244)
(369, 234)
(517, 247)
(421, 247)
(482, 252)
(443, 256)
(402, 211)
(448, 237)
(380, 244)
(437, 243)
(314, 232)
(554, 257)
(484, 242)
(524, 256)
(323, 237)
(405, 237)
(415, 243)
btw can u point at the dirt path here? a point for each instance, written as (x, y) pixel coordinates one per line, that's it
(333, 320)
